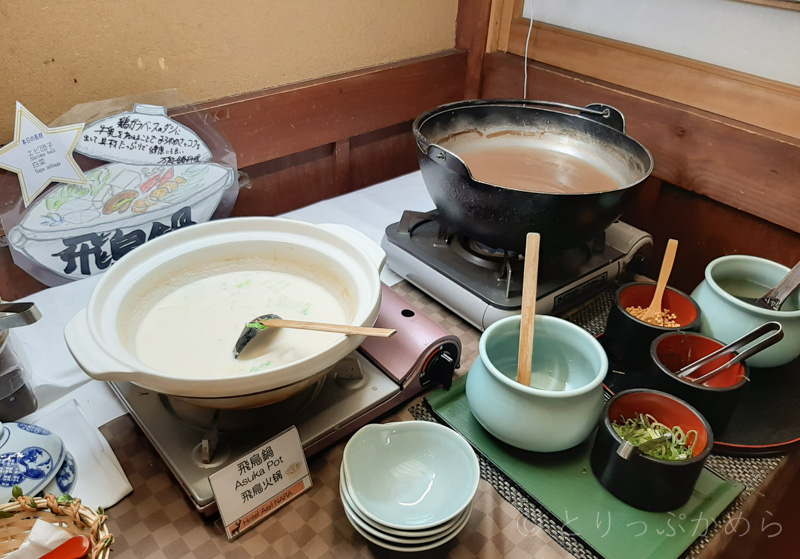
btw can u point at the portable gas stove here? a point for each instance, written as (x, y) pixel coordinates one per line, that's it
(196, 442)
(483, 284)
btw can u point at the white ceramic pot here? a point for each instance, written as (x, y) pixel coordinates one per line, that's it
(725, 317)
(561, 407)
(102, 337)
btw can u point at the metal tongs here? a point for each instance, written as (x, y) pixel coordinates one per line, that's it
(13, 315)
(761, 331)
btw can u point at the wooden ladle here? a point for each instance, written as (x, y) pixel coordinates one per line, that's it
(530, 278)
(267, 321)
(663, 277)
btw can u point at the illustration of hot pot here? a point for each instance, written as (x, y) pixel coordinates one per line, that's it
(162, 181)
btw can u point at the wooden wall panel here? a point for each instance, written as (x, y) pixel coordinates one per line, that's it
(286, 120)
(755, 100)
(705, 230)
(472, 30)
(382, 155)
(301, 179)
(289, 182)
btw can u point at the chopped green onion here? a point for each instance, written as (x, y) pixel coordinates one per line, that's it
(645, 427)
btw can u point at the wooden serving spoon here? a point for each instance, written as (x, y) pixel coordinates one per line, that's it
(267, 321)
(663, 277)
(529, 281)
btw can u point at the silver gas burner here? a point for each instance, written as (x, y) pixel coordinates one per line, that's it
(195, 442)
(483, 284)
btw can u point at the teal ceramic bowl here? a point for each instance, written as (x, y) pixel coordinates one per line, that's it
(561, 407)
(726, 317)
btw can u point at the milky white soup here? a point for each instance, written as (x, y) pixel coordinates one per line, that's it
(192, 331)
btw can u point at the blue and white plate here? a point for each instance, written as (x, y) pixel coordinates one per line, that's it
(30, 456)
(66, 478)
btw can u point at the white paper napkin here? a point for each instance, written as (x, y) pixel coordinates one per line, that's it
(55, 372)
(100, 479)
(44, 537)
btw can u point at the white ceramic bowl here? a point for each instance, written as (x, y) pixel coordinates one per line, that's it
(410, 474)
(102, 337)
(412, 535)
(30, 456)
(402, 544)
(361, 522)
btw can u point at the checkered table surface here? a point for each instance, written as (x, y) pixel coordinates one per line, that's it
(159, 521)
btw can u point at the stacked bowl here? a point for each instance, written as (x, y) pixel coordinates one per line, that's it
(408, 486)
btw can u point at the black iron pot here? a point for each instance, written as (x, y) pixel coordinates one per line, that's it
(500, 216)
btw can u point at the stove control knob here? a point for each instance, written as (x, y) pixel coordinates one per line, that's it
(440, 366)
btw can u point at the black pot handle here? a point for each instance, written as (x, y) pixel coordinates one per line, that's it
(604, 114)
(608, 116)
(447, 159)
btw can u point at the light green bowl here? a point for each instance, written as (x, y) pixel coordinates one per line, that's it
(410, 475)
(727, 318)
(561, 407)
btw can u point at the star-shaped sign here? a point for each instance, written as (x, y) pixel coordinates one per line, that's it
(41, 155)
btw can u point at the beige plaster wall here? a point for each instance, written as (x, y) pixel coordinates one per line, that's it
(58, 53)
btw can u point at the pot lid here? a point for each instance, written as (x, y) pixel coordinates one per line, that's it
(145, 136)
(30, 456)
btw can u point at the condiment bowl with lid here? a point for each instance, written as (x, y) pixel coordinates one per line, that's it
(561, 406)
(628, 338)
(637, 478)
(726, 317)
(30, 456)
(410, 475)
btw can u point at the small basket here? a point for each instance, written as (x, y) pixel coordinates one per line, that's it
(18, 517)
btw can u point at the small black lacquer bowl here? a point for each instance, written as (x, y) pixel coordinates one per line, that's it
(644, 482)
(715, 398)
(627, 338)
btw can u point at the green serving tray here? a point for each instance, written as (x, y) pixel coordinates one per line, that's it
(564, 485)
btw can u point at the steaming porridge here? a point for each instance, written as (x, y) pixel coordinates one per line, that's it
(192, 331)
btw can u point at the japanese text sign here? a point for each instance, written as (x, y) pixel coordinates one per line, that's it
(260, 482)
